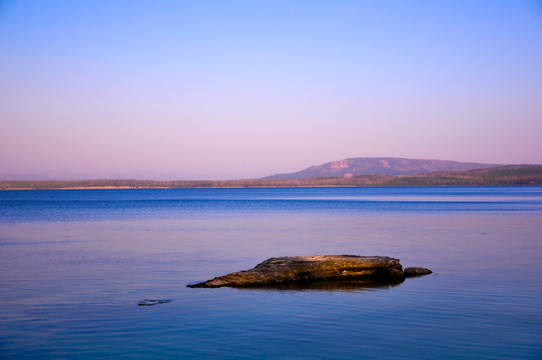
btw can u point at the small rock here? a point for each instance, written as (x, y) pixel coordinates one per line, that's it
(416, 271)
(151, 302)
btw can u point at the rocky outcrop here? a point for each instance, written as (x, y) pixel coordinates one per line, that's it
(309, 269)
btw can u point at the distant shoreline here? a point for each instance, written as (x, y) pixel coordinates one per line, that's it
(503, 175)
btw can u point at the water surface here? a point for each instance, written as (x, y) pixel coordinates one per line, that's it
(74, 265)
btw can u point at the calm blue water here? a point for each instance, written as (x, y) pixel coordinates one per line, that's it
(75, 264)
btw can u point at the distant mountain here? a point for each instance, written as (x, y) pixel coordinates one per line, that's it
(382, 165)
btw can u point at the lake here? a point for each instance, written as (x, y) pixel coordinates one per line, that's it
(75, 265)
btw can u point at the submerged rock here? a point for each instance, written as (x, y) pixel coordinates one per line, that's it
(151, 302)
(276, 272)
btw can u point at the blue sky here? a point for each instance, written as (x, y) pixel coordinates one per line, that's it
(245, 89)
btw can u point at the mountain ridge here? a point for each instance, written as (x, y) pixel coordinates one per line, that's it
(353, 167)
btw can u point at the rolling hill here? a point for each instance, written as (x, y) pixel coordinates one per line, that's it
(353, 167)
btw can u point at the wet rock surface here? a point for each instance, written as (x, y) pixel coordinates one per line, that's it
(152, 302)
(318, 269)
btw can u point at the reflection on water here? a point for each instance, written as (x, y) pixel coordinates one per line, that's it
(75, 265)
(350, 285)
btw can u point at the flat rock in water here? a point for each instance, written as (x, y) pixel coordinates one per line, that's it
(416, 271)
(307, 269)
(152, 302)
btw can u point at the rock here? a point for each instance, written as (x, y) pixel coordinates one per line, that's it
(151, 302)
(416, 271)
(308, 269)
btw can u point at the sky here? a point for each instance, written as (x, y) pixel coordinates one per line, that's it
(245, 89)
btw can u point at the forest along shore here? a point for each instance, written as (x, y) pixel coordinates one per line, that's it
(502, 175)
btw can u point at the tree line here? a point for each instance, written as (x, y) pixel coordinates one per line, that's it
(505, 175)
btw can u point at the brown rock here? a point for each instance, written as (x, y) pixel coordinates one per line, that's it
(307, 269)
(416, 271)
